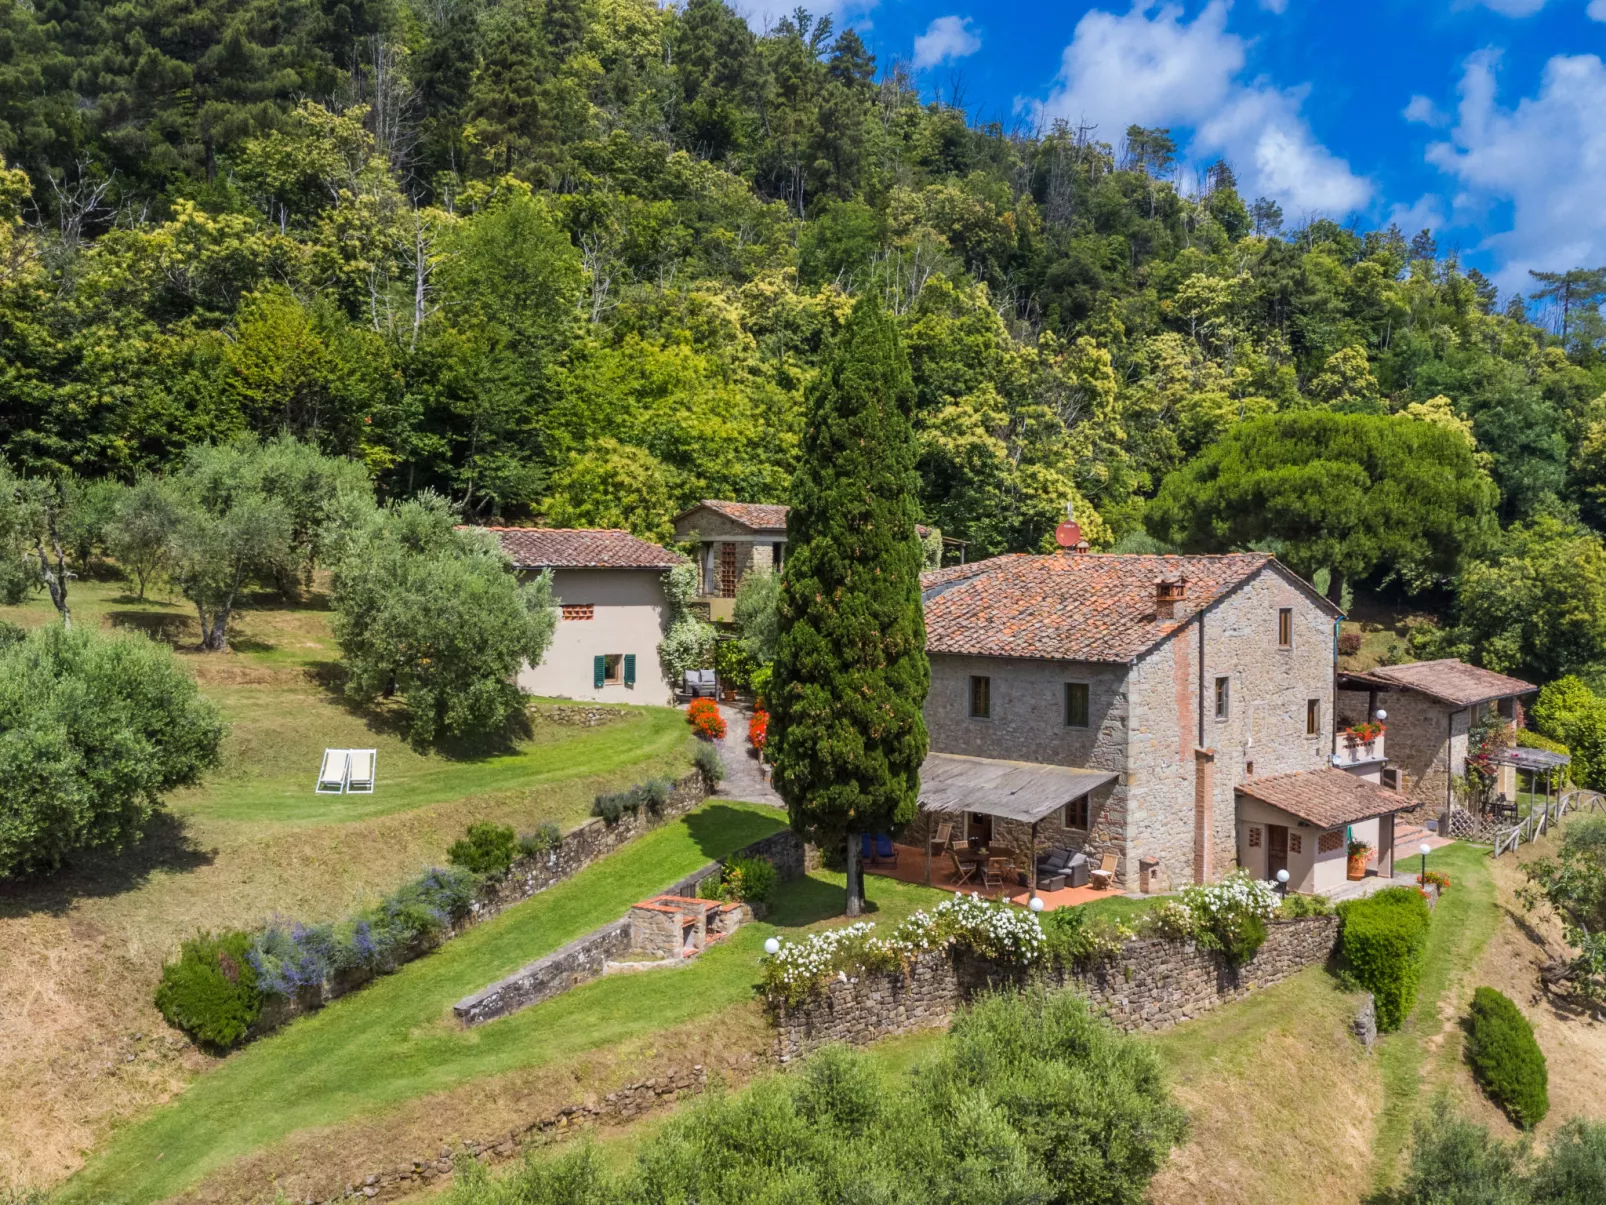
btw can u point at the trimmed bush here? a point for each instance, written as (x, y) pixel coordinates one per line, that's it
(546, 838)
(750, 880)
(487, 849)
(611, 806)
(1298, 907)
(708, 763)
(1349, 643)
(1381, 945)
(211, 991)
(1505, 1058)
(655, 793)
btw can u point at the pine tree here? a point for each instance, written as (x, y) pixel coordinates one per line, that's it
(846, 732)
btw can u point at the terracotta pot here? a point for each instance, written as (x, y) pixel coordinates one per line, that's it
(1356, 869)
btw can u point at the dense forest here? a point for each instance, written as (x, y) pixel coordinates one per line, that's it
(575, 261)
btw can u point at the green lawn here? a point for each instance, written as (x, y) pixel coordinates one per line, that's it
(395, 1039)
(1415, 1060)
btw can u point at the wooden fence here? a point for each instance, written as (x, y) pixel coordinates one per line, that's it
(1547, 816)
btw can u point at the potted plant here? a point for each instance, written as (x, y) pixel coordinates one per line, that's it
(1365, 734)
(1358, 852)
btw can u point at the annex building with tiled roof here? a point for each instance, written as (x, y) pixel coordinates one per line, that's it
(1431, 709)
(612, 612)
(1181, 681)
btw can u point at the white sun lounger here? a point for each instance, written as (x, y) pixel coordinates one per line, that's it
(332, 778)
(360, 777)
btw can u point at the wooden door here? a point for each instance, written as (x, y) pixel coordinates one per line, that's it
(727, 570)
(1276, 849)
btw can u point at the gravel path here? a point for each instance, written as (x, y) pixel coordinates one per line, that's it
(745, 777)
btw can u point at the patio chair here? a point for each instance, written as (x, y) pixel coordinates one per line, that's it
(332, 777)
(866, 850)
(1104, 876)
(992, 875)
(886, 853)
(945, 834)
(702, 683)
(360, 776)
(964, 871)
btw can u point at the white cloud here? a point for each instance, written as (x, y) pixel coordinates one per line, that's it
(1425, 112)
(1151, 67)
(1281, 6)
(1543, 161)
(1426, 214)
(945, 39)
(1515, 8)
(1597, 10)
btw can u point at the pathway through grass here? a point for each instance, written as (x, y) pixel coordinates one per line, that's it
(1423, 1053)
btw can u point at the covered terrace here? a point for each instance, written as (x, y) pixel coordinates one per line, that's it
(981, 820)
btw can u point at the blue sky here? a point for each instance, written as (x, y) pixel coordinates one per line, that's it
(1482, 119)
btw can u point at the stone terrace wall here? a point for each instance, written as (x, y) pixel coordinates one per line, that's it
(576, 715)
(577, 962)
(586, 957)
(529, 876)
(1152, 985)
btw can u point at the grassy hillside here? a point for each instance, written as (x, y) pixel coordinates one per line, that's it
(82, 1049)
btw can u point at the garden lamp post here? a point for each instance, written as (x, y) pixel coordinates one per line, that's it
(772, 946)
(1282, 882)
(1036, 903)
(1426, 849)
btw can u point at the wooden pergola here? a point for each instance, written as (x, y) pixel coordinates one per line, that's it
(1025, 792)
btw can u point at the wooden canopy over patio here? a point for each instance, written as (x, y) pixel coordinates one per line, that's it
(1027, 792)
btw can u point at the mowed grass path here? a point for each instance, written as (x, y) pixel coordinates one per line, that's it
(395, 1039)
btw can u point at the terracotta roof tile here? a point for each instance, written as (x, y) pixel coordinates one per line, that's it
(1449, 681)
(760, 516)
(1072, 607)
(581, 548)
(1326, 797)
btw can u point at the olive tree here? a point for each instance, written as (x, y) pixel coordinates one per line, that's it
(93, 731)
(437, 615)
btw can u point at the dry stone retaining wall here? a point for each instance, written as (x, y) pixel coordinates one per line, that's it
(1153, 984)
(529, 876)
(577, 715)
(586, 957)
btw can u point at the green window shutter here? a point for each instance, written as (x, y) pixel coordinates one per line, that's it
(599, 671)
(630, 669)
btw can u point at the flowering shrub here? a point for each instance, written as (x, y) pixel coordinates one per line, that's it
(1231, 915)
(990, 930)
(749, 880)
(1070, 938)
(1435, 877)
(758, 729)
(1366, 733)
(703, 715)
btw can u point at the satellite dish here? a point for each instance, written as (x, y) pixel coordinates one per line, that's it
(1068, 535)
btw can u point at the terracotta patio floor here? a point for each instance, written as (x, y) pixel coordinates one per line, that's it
(911, 868)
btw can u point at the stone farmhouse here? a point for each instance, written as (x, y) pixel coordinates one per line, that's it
(729, 540)
(1192, 697)
(612, 612)
(1432, 708)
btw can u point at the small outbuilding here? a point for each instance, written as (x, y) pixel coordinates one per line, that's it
(1303, 823)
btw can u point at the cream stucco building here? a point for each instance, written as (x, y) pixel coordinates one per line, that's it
(612, 613)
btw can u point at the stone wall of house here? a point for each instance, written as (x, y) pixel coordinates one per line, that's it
(1426, 741)
(1263, 733)
(1027, 723)
(1152, 984)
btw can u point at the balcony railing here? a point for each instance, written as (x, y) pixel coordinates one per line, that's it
(1353, 752)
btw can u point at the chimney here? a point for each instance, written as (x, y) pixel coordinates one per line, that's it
(1168, 592)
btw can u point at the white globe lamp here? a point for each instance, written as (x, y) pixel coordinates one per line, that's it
(772, 946)
(1426, 849)
(1282, 882)
(1036, 903)
(1381, 714)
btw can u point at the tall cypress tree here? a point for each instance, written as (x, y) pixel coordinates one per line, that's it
(850, 675)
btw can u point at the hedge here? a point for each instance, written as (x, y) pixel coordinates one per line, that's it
(1505, 1058)
(1381, 946)
(211, 991)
